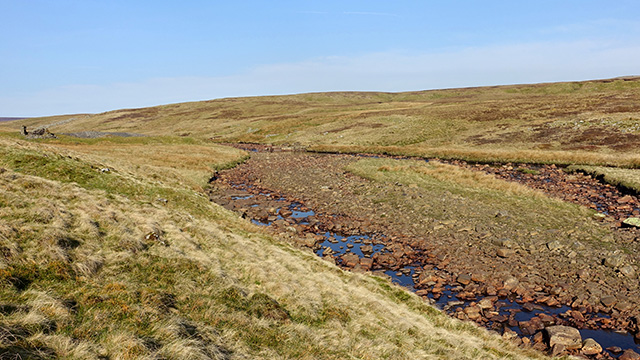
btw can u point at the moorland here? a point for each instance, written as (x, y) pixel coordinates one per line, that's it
(153, 244)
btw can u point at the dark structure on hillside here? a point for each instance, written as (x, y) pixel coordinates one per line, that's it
(41, 133)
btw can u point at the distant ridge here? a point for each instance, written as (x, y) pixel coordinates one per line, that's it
(11, 118)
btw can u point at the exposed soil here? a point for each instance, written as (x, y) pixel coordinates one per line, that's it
(498, 275)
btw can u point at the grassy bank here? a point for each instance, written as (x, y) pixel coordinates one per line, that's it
(492, 155)
(135, 263)
(628, 179)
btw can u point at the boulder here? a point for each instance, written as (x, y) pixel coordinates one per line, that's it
(629, 355)
(557, 350)
(591, 347)
(567, 336)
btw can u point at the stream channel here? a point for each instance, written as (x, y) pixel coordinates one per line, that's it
(504, 314)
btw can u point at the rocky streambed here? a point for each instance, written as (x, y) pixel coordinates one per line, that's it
(532, 296)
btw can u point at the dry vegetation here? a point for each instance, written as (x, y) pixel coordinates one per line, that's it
(472, 199)
(110, 249)
(593, 122)
(135, 263)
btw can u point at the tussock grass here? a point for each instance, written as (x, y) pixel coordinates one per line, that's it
(465, 178)
(93, 269)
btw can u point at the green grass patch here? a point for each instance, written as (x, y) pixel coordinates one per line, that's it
(628, 179)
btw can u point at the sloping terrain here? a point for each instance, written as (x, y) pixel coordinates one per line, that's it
(595, 122)
(111, 249)
(108, 256)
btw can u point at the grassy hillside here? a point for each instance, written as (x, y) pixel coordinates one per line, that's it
(592, 122)
(111, 251)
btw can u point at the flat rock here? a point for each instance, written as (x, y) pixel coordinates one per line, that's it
(464, 279)
(567, 336)
(366, 249)
(632, 222)
(625, 199)
(485, 303)
(614, 260)
(608, 301)
(350, 260)
(366, 263)
(615, 349)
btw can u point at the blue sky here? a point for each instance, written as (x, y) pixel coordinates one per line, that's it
(74, 56)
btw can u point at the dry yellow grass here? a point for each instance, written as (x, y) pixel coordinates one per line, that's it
(591, 122)
(190, 163)
(628, 160)
(95, 269)
(464, 177)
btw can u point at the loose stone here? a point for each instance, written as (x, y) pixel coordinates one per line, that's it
(628, 271)
(464, 279)
(504, 253)
(554, 245)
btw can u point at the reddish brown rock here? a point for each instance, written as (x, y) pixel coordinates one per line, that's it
(629, 355)
(366, 263)
(350, 260)
(464, 279)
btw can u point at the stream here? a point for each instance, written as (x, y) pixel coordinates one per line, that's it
(501, 312)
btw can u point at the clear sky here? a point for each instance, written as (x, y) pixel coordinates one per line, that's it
(73, 56)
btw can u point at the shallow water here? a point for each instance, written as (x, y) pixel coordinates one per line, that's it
(402, 278)
(448, 300)
(611, 338)
(342, 245)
